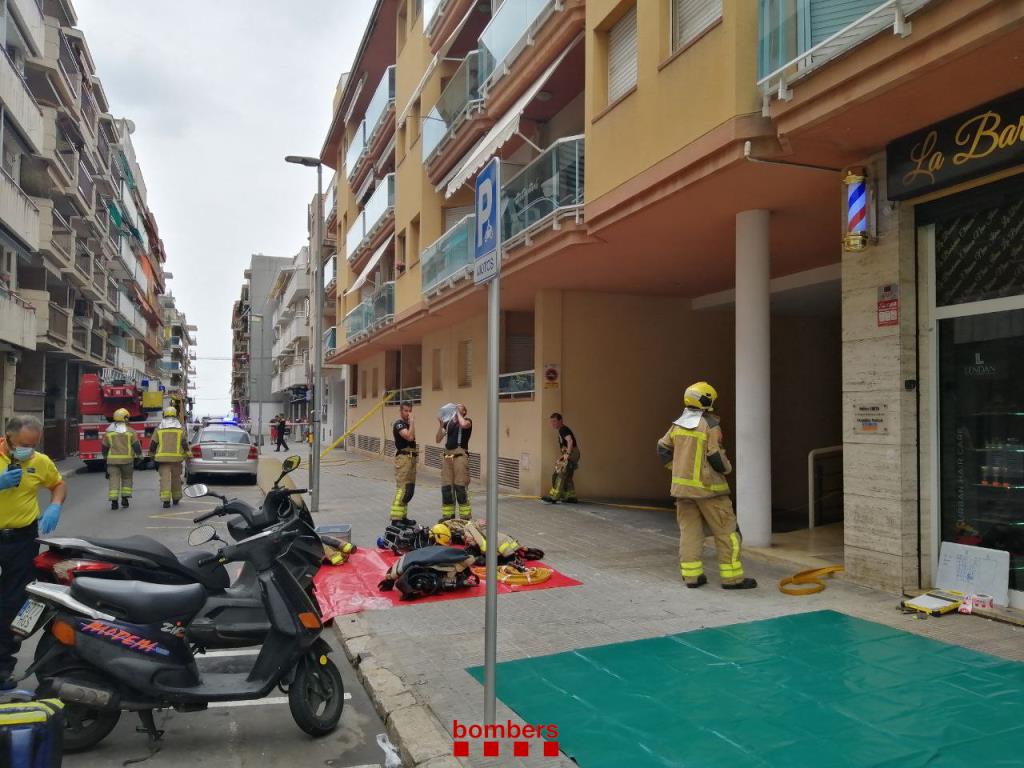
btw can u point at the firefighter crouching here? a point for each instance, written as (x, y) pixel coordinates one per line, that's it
(121, 447)
(169, 448)
(692, 448)
(404, 434)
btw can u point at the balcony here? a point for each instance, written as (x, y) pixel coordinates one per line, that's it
(449, 258)
(458, 101)
(516, 386)
(171, 366)
(382, 104)
(19, 104)
(90, 114)
(358, 322)
(331, 277)
(354, 236)
(86, 186)
(17, 320)
(550, 186)
(128, 362)
(355, 149)
(81, 327)
(330, 202)
(96, 340)
(60, 324)
(432, 10)
(330, 342)
(411, 395)
(797, 39)
(294, 376)
(377, 218)
(18, 212)
(383, 305)
(297, 288)
(512, 25)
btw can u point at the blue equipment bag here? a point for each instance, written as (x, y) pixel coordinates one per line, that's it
(31, 734)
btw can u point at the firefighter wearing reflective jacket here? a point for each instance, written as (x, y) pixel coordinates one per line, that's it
(169, 448)
(455, 468)
(121, 447)
(692, 448)
(404, 434)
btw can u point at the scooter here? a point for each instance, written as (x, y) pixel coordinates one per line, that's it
(233, 615)
(117, 647)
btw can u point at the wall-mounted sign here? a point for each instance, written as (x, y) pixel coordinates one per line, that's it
(552, 375)
(976, 142)
(888, 305)
(871, 418)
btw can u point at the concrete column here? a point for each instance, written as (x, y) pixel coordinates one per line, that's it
(547, 351)
(753, 378)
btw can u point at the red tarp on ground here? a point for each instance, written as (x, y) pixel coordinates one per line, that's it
(352, 587)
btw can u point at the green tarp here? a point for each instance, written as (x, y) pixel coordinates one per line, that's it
(812, 689)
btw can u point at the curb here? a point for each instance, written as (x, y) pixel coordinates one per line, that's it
(419, 736)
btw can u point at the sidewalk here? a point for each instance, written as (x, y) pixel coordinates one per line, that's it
(413, 658)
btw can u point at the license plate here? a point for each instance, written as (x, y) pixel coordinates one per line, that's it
(25, 622)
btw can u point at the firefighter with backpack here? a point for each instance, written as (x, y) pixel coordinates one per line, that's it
(121, 447)
(169, 448)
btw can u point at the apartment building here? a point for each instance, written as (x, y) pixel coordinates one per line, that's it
(334, 404)
(677, 178)
(291, 321)
(177, 365)
(82, 261)
(252, 343)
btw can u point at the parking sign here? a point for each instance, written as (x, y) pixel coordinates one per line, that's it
(487, 254)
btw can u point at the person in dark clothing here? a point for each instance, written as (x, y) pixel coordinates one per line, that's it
(562, 486)
(455, 469)
(404, 434)
(282, 431)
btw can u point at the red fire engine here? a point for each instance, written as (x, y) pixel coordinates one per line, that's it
(99, 395)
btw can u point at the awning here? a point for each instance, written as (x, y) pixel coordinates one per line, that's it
(369, 266)
(502, 130)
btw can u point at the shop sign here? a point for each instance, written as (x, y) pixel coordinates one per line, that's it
(552, 375)
(871, 419)
(976, 142)
(888, 305)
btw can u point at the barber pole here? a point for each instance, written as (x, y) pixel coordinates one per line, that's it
(856, 238)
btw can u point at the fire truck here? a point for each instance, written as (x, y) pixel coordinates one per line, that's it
(100, 394)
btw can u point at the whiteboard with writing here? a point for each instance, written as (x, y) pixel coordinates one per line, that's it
(974, 571)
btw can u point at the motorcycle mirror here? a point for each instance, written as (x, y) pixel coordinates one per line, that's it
(290, 464)
(195, 491)
(201, 535)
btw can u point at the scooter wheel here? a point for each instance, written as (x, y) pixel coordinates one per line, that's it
(316, 696)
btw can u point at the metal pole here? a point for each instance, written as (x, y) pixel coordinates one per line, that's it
(259, 429)
(491, 599)
(317, 345)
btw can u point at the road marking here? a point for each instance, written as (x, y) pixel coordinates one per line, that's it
(259, 702)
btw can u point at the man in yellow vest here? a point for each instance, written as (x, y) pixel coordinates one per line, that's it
(23, 472)
(692, 448)
(169, 449)
(121, 447)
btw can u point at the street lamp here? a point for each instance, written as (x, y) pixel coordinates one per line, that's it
(318, 315)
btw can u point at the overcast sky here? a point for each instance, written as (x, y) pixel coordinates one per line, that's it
(220, 92)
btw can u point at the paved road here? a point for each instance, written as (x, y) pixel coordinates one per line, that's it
(257, 734)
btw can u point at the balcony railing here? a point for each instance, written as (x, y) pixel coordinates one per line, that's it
(355, 149)
(431, 13)
(516, 386)
(507, 28)
(330, 274)
(381, 102)
(103, 147)
(86, 186)
(796, 39)
(80, 333)
(411, 395)
(110, 354)
(330, 341)
(68, 65)
(551, 182)
(448, 258)
(60, 318)
(96, 346)
(380, 205)
(89, 109)
(384, 304)
(354, 236)
(358, 321)
(459, 98)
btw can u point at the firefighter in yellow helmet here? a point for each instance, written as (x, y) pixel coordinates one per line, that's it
(169, 448)
(121, 447)
(692, 448)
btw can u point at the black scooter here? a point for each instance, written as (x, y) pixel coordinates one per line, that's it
(114, 653)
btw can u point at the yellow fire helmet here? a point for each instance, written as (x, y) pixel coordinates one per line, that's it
(121, 414)
(700, 395)
(170, 412)
(441, 534)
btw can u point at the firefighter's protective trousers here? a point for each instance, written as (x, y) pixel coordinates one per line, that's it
(405, 482)
(170, 449)
(562, 486)
(455, 485)
(120, 456)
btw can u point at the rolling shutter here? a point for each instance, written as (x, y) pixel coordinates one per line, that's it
(622, 56)
(690, 18)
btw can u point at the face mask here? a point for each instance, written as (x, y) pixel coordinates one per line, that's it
(22, 454)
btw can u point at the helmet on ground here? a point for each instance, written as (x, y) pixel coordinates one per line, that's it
(441, 534)
(170, 412)
(121, 414)
(700, 395)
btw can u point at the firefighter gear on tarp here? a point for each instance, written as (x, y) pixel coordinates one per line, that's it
(121, 447)
(473, 534)
(692, 449)
(169, 448)
(404, 536)
(429, 571)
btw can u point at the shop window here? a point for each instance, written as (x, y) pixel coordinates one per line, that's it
(466, 363)
(436, 379)
(622, 56)
(691, 19)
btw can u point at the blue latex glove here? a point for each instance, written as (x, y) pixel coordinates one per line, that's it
(49, 519)
(10, 479)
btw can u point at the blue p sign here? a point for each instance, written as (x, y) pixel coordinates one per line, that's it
(488, 234)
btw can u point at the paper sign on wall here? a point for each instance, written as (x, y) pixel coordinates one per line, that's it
(888, 305)
(871, 418)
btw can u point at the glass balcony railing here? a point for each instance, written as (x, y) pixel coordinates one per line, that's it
(330, 340)
(449, 255)
(358, 321)
(431, 12)
(384, 303)
(382, 100)
(355, 235)
(330, 274)
(355, 149)
(554, 180)
(380, 204)
(513, 386)
(507, 27)
(461, 93)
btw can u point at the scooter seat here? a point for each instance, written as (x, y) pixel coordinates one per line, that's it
(140, 602)
(143, 546)
(212, 577)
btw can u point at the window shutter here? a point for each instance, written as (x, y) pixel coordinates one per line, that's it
(691, 17)
(518, 353)
(622, 56)
(453, 216)
(435, 370)
(465, 363)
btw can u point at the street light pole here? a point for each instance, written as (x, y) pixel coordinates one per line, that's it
(318, 311)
